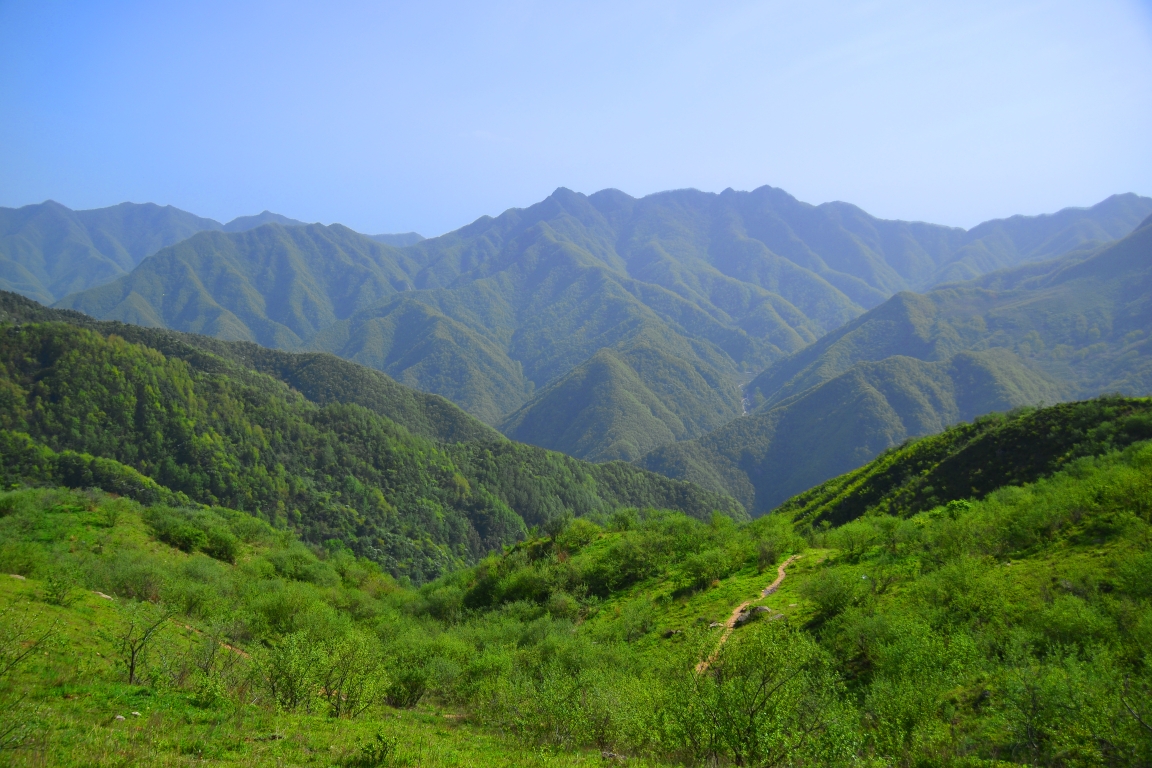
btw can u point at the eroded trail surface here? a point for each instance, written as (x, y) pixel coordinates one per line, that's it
(736, 613)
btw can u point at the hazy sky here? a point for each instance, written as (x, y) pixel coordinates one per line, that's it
(423, 116)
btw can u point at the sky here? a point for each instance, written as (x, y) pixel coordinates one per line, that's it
(392, 117)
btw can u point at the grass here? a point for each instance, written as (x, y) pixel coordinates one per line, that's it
(75, 699)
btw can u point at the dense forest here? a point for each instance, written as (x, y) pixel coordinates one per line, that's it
(1002, 624)
(330, 471)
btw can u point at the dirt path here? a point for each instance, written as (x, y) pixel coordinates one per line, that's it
(731, 623)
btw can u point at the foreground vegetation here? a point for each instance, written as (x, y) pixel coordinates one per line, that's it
(1010, 628)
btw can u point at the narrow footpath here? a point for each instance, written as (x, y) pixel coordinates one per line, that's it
(735, 617)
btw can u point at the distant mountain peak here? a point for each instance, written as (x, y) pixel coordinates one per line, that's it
(242, 223)
(399, 239)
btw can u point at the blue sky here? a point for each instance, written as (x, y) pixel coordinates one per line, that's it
(423, 116)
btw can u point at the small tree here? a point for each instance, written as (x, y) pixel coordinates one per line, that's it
(21, 637)
(353, 676)
(291, 671)
(140, 625)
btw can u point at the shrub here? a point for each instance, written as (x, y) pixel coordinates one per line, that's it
(221, 545)
(579, 534)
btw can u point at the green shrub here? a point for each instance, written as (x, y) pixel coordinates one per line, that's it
(221, 544)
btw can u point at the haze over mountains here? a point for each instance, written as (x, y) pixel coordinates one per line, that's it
(610, 327)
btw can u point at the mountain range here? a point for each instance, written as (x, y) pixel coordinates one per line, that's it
(48, 251)
(746, 341)
(604, 326)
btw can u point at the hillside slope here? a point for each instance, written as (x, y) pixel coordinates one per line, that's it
(75, 400)
(1068, 328)
(764, 458)
(321, 378)
(1083, 319)
(48, 251)
(1002, 624)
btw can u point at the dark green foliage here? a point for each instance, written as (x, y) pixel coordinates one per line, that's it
(194, 531)
(163, 432)
(24, 460)
(321, 378)
(972, 460)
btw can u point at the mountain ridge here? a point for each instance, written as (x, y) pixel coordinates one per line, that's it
(48, 250)
(1068, 328)
(498, 312)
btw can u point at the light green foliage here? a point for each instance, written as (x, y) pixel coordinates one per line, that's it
(1013, 626)
(769, 698)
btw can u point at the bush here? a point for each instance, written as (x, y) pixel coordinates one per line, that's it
(221, 545)
(579, 534)
(703, 568)
(290, 671)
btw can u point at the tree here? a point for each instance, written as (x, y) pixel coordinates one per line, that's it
(140, 625)
(353, 676)
(21, 636)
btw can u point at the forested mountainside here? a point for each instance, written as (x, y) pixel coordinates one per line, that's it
(1072, 327)
(1084, 320)
(664, 305)
(986, 603)
(87, 408)
(321, 378)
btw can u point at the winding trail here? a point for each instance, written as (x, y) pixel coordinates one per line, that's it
(731, 623)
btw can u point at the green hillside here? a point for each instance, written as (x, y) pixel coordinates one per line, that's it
(83, 408)
(973, 459)
(506, 315)
(1082, 319)
(622, 404)
(997, 625)
(321, 378)
(48, 251)
(273, 285)
(834, 427)
(1003, 243)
